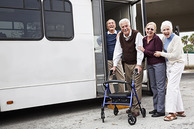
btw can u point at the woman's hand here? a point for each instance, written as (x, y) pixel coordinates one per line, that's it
(157, 54)
(141, 48)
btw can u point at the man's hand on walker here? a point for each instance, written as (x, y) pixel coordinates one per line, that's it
(114, 69)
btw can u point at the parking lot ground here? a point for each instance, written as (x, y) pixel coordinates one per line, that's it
(86, 114)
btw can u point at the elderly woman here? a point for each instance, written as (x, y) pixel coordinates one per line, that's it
(173, 52)
(156, 69)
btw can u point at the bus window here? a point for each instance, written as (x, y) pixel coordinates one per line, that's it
(20, 3)
(11, 29)
(20, 22)
(11, 3)
(58, 5)
(32, 4)
(67, 7)
(58, 20)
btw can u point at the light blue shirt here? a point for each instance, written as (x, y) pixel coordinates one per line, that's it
(167, 41)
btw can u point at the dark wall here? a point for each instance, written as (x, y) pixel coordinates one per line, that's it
(179, 12)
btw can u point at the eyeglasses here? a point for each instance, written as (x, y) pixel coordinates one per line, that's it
(150, 29)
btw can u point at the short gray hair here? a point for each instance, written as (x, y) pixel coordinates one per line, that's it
(166, 23)
(124, 20)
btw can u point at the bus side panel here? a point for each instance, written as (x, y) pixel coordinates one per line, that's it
(44, 95)
(31, 63)
(35, 73)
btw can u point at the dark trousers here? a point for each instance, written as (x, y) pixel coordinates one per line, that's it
(157, 76)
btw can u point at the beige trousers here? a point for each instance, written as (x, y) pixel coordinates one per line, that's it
(119, 73)
(129, 70)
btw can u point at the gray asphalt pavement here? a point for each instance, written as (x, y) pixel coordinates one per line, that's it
(86, 115)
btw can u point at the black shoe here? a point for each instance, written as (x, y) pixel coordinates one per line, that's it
(158, 114)
(153, 112)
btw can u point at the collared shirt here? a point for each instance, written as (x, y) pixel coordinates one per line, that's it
(118, 50)
(127, 37)
(112, 33)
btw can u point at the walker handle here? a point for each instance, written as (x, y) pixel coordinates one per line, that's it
(114, 81)
(111, 72)
(136, 71)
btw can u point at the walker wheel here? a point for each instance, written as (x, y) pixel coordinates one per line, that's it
(102, 120)
(143, 112)
(116, 111)
(102, 115)
(132, 120)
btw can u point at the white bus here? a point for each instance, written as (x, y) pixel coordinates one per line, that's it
(48, 49)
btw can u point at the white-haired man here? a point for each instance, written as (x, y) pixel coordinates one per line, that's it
(111, 37)
(127, 47)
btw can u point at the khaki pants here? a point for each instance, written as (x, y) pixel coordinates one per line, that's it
(129, 69)
(119, 73)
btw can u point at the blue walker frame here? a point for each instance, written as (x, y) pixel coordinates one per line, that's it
(119, 96)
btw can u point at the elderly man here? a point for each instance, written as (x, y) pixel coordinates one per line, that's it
(127, 46)
(111, 41)
(111, 37)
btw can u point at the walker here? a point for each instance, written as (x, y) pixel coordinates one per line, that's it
(125, 98)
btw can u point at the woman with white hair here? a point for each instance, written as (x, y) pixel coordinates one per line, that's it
(173, 52)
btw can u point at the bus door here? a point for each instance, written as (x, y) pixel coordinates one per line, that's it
(102, 11)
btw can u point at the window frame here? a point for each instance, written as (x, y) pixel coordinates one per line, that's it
(39, 9)
(51, 10)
